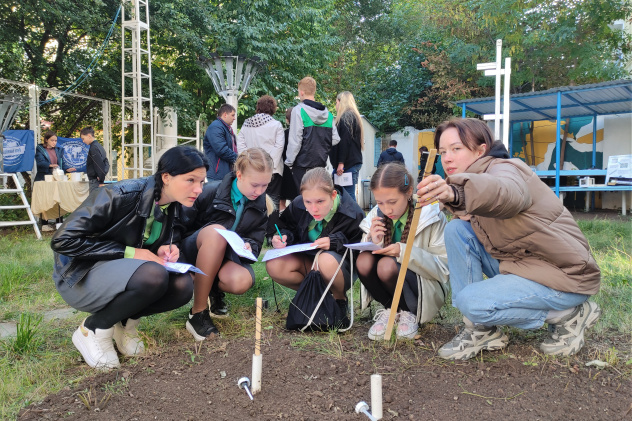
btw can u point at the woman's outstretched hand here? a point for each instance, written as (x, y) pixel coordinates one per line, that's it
(434, 188)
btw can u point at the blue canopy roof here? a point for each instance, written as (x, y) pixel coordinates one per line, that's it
(613, 97)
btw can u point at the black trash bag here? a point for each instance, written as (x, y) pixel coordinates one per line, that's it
(329, 314)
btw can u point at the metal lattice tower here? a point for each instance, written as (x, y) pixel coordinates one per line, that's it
(137, 142)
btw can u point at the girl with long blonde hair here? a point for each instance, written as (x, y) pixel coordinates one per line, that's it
(346, 156)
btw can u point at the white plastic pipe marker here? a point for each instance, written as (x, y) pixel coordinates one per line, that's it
(257, 358)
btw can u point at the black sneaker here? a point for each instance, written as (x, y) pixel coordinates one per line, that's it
(218, 307)
(201, 326)
(344, 323)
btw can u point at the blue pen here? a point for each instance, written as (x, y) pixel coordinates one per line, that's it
(279, 232)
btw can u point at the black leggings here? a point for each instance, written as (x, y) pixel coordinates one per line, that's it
(150, 290)
(379, 275)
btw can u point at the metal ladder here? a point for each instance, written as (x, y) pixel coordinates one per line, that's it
(137, 135)
(24, 205)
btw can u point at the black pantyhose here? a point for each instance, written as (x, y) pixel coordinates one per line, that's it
(150, 290)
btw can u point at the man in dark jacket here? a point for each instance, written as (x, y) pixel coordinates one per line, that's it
(391, 154)
(220, 145)
(312, 132)
(97, 165)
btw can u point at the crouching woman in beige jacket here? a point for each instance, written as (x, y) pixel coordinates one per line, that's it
(388, 225)
(514, 230)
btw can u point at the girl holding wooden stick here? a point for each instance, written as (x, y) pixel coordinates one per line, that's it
(511, 228)
(388, 225)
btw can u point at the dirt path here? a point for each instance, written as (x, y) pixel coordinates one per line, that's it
(320, 376)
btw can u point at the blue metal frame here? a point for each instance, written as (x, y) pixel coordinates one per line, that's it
(558, 153)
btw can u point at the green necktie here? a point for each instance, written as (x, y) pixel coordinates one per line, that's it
(240, 210)
(397, 231)
(314, 233)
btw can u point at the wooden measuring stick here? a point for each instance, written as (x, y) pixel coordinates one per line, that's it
(409, 248)
(258, 326)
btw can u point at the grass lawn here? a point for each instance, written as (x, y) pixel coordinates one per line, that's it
(37, 362)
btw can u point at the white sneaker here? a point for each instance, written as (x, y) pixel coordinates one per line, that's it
(127, 340)
(377, 331)
(407, 325)
(96, 347)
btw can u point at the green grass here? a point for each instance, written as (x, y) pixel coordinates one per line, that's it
(41, 363)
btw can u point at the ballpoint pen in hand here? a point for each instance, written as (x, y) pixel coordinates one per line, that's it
(279, 232)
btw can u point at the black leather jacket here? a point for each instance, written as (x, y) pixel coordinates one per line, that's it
(111, 218)
(343, 228)
(214, 206)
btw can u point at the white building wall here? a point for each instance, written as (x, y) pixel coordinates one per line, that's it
(617, 141)
(368, 167)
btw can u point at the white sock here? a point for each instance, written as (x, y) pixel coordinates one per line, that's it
(554, 316)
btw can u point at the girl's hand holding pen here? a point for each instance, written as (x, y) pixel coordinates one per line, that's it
(279, 242)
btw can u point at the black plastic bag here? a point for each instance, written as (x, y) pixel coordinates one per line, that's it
(309, 294)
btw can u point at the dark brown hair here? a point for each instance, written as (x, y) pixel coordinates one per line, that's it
(472, 133)
(266, 105)
(395, 175)
(225, 109)
(288, 114)
(47, 136)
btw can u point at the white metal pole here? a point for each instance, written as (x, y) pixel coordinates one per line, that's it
(506, 103)
(499, 46)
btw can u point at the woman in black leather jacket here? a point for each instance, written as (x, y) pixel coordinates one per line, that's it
(111, 251)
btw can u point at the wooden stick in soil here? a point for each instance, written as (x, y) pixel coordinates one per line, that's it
(257, 358)
(409, 247)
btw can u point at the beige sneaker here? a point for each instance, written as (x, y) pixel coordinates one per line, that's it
(472, 340)
(96, 347)
(378, 330)
(567, 336)
(407, 325)
(127, 340)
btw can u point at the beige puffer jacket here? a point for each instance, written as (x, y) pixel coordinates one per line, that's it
(523, 224)
(428, 260)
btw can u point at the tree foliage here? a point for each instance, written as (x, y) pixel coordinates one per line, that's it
(405, 61)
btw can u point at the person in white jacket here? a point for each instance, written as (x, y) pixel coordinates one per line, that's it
(263, 131)
(388, 225)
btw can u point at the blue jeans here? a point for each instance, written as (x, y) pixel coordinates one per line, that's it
(355, 171)
(502, 299)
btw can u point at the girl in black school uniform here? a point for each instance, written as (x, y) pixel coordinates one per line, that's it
(236, 203)
(326, 216)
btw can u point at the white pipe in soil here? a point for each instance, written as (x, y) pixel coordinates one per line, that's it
(376, 396)
(257, 358)
(257, 361)
(363, 408)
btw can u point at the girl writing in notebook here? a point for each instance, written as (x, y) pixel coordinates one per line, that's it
(389, 226)
(326, 216)
(236, 203)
